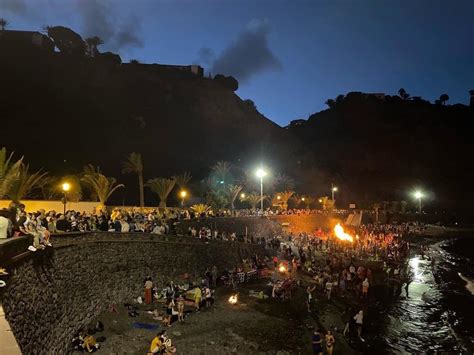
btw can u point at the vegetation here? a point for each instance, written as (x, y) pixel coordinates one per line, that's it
(200, 209)
(183, 179)
(281, 199)
(162, 187)
(233, 191)
(133, 164)
(103, 186)
(9, 171)
(254, 200)
(25, 183)
(3, 24)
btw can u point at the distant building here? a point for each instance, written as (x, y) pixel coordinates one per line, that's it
(194, 69)
(15, 40)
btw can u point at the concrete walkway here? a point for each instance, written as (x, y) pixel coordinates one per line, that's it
(8, 344)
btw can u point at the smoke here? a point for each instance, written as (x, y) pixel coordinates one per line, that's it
(205, 57)
(16, 7)
(99, 19)
(249, 54)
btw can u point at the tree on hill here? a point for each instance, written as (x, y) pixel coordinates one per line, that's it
(3, 23)
(67, 41)
(251, 104)
(134, 61)
(443, 98)
(403, 94)
(92, 43)
(133, 164)
(330, 102)
(340, 99)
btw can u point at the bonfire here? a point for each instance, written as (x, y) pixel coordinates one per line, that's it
(282, 268)
(340, 234)
(233, 299)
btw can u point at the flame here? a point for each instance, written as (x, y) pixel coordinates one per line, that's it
(282, 268)
(339, 233)
(233, 299)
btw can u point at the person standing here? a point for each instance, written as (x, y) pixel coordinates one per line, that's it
(365, 288)
(214, 276)
(317, 348)
(148, 288)
(197, 298)
(330, 342)
(359, 319)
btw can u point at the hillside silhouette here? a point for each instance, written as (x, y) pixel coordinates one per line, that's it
(63, 110)
(387, 146)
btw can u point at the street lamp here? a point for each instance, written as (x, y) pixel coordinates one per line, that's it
(261, 173)
(242, 196)
(66, 187)
(183, 195)
(418, 195)
(333, 190)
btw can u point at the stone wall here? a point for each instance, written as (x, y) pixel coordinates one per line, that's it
(54, 292)
(265, 227)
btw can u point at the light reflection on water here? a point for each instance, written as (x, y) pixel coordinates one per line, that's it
(419, 323)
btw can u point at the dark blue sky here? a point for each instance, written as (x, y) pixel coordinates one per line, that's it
(289, 55)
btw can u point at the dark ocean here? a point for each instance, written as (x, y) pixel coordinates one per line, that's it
(438, 315)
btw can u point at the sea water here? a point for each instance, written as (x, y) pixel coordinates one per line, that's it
(438, 314)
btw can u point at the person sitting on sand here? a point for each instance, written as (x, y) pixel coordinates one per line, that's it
(156, 345)
(89, 344)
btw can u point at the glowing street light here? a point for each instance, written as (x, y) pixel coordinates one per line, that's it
(333, 190)
(183, 195)
(66, 187)
(278, 197)
(261, 173)
(418, 195)
(242, 195)
(302, 199)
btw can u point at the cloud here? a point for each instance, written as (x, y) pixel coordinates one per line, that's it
(16, 7)
(99, 19)
(249, 54)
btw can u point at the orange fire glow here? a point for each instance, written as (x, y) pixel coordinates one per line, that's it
(282, 268)
(339, 233)
(233, 299)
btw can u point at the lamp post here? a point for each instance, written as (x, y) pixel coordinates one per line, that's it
(261, 173)
(66, 187)
(333, 190)
(183, 195)
(418, 195)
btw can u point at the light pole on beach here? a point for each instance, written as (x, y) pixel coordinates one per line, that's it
(418, 195)
(183, 195)
(333, 190)
(261, 173)
(66, 187)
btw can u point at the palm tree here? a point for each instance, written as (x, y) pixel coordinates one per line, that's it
(403, 207)
(49, 188)
(254, 199)
(102, 186)
(443, 98)
(232, 193)
(327, 203)
(25, 183)
(281, 199)
(3, 23)
(282, 182)
(403, 94)
(162, 187)
(183, 179)
(200, 208)
(133, 164)
(9, 171)
(222, 170)
(376, 207)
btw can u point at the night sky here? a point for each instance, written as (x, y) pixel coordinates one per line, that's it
(288, 55)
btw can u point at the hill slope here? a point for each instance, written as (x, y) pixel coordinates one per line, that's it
(383, 149)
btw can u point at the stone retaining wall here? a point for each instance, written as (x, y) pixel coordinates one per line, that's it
(55, 292)
(263, 226)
